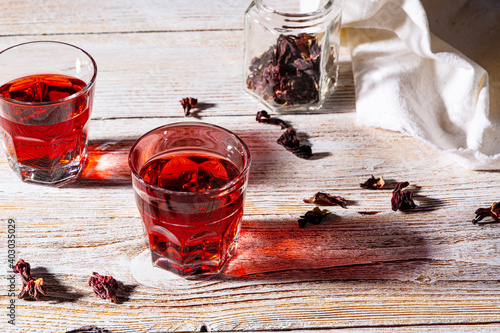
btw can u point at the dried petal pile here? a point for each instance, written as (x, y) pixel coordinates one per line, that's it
(32, 289)
(104, 286)
(289, 71)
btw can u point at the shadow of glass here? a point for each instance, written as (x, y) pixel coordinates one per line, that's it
(363, 249)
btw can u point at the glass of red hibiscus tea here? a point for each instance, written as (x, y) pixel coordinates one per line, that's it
(46, 96)
(190, 180)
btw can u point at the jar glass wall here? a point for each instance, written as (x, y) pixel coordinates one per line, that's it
(291, 52)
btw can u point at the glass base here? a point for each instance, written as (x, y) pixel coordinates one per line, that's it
(55, 176)
(195, 268)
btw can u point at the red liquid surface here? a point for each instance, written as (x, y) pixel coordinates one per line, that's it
(45, 135)
(195, 233)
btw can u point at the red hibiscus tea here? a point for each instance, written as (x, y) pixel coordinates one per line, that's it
(44, 117)
(190, 190)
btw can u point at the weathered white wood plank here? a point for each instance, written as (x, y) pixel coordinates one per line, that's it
(23, 17)
(353, 270)
(427, 270)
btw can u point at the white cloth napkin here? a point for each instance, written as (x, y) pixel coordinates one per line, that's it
(409, 80)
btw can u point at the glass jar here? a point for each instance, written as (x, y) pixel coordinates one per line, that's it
(291, 52)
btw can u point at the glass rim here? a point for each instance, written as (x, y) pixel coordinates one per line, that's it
(227, 186)
(84, 90)
(330, 4)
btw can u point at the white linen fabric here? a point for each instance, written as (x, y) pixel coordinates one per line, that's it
(430, 69)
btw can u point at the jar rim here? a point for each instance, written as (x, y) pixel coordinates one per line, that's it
(328, 6)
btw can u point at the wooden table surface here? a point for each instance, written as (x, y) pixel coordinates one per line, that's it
(427, 270)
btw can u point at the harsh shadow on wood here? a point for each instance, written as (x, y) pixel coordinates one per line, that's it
(57, 291)
(124, 292)
(363, 248)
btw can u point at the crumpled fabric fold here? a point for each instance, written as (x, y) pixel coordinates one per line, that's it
(430, 69)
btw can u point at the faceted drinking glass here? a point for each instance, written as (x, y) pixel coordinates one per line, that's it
(189, 181)
(46, 97)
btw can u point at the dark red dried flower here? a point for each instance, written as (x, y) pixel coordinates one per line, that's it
(290, 141)
(264, 117)
(23, 269)
(188, 103)
(89, 329)
(104, 286)
(325, 199)
(402, 200)
(373, 183)
(32, 289)
(314, 216)
(493, 211)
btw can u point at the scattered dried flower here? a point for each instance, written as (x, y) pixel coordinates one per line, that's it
(326, 199)
(402, 200)
(89, 329)
(289, 138)
(314, 216)
(104, 286)
(32, 289)
(264, 117)
(188, 103)
(290, 141)
(373, 183)
(23, 269)
(491, 211)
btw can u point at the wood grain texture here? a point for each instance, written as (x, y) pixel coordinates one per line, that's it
(427, 270)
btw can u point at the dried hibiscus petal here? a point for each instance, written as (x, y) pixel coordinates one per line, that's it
(321, 198)
(104, 286)
(32, 289)
(289, 138)
(402, 200)
(373, 183)
(314, 216)
(89, 329)
(264, 117)
(291, 143)
(491, 211)
(188, 103)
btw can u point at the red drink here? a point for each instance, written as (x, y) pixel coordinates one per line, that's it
(197, 226)
(43, 128)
